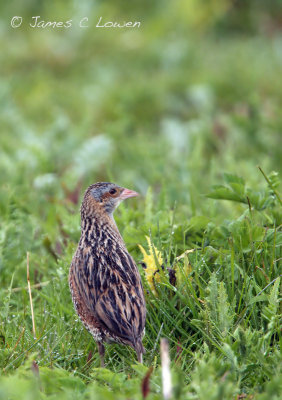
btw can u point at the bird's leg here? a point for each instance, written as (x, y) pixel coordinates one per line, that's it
(140, 357)
(101, 349)
(138, 347)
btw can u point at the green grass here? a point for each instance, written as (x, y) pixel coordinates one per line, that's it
(183, 112)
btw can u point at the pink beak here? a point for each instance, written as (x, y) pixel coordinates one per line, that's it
(126, 194)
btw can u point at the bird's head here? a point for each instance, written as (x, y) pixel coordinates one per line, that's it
(106, 196)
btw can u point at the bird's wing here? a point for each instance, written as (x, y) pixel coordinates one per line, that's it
(120, 304)
(107, 287)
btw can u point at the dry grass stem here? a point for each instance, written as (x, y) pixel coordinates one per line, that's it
(30, 297)
(166, 374)
(36, 286)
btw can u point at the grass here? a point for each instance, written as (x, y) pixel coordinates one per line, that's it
(184, 113)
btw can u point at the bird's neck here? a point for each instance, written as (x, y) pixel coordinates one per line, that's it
(95, 226)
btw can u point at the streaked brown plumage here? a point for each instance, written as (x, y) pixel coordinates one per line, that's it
(104, 280)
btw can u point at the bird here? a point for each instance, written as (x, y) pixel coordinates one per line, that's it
(104, 280)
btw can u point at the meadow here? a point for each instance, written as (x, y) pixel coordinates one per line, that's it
(186, 110)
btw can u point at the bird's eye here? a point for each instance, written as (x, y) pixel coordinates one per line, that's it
(113, 191)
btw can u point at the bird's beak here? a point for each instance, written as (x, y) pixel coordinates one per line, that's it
(126, 194)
